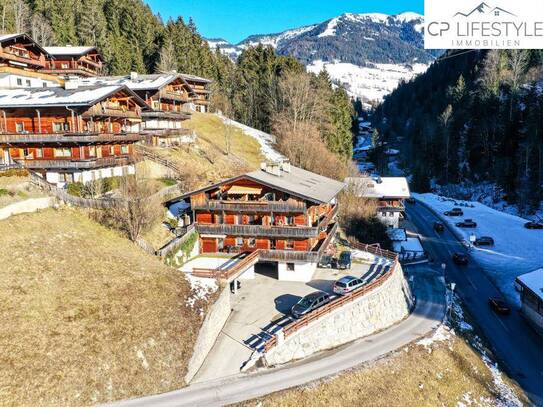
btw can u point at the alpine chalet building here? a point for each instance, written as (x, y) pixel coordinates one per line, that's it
(73, 61)
(285, 212)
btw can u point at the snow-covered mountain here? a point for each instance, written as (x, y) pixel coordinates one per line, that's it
(369, 54)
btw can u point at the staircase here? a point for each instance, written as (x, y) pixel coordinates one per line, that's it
(149, 154)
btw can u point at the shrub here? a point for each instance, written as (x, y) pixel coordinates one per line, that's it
(3, 192)
(75, 189)
(15, 172)
(168, 182)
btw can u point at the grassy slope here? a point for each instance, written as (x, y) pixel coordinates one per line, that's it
(207, 160)
(18, 189)
(443, 374)
(86, 316)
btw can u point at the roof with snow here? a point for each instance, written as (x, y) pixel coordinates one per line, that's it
(380, 187)
(533, 281)
(14, 36)
(297, 182)
(58, 96)
(134, 82)
(195, 78)
(69, 50)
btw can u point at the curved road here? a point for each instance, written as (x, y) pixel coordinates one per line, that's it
(426, 316)
(514, 343)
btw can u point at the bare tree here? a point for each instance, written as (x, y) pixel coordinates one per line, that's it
(21, 16)
(41, 30)
(137, 208)
(518, 65)
(167, 59)
(445, 118)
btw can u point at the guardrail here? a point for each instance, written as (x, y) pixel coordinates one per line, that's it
(251, 206)
(339, 301)
(239, 267)
(259, 230)
(146, 152)
(374, 249)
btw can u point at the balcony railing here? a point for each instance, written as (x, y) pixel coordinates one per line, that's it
(22, 59)
(259, 230)
(251, 206)
(112, 111)
(167, 132)
(63, 138)
(76, 164)
(392, 206)
(171, 95)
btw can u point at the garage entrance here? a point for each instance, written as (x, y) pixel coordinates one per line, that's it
(267, 268)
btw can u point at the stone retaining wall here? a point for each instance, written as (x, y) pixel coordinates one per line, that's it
(209, 331)
(375, 311)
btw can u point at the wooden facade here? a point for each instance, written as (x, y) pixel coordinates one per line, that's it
(200, 87)
(80, 61)
(244, 215)
(21, 51)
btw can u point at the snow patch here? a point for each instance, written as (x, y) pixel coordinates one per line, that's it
(201, 289)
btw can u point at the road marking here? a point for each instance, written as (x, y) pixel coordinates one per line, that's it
(471, 282)
(501, 322)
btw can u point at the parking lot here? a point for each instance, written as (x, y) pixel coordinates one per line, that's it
(261, 307)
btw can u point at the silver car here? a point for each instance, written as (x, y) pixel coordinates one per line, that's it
(347, 284)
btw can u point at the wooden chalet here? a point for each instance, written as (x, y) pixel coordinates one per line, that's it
(71, 134)
(74, 61)
(286, 212)
(388, 193)
(200, 87)
(21, 51)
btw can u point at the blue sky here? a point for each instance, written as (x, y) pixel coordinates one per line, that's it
(234, 20)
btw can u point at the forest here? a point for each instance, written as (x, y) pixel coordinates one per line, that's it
(312, 121)
(473, 117)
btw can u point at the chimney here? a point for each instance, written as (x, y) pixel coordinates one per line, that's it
(71, 83)
(271, 168)
(285, 166)
(133, 76)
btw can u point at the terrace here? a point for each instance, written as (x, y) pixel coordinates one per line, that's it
(16, 139)
(77, 164)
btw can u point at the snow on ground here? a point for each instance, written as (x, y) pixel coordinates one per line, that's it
(370, 83)
(516, 251)
(411, 244)
(201, 289)
(266, 140)
(208, 262)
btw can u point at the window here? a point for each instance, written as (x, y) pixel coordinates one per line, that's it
(19, 127)
(289, 244)
(39, 153)
(124, 149)
(251, 242)
(92, 151)
(290, 266)
(19, 82)
(57, 127)
(63, 152)
(66, 177)
(28, 83)
(27, 153)
(44, 84)
(64, 66)
(111, 150)
(239, 241)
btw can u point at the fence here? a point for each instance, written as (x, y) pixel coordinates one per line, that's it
(239, 267)
(340, 301)
(172, 244)
(151, 155)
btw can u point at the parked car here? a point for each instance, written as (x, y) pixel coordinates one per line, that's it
(347, 284)
(499, 306)
(327, 262)
(533, 225)
(344, 261)
(309, 303)
(484, 241)
(454, 212)
(411, 200)
(460, 259)
(467, 223)
(439, 226)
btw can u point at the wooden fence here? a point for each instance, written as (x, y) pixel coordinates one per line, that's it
(148, 153)
(172, 244)
(341, 300)
(237, 268)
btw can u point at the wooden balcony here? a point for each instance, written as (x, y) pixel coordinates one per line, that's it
(18, 139)
(171, 95)
(111, 111)
(390, 206)
(74, 164)
(167, 133)
(5, 54)
(302, 232)
(251, 206)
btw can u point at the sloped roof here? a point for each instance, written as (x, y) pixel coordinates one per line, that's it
(195, 78)
(534, 281)
(69, 50)
(7, 37)
(298, 182)
(58, 96)
(380, 187)
(141, 82)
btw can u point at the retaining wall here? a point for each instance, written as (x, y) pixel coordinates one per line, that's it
(377, 310)
(209, 331)
(26, 206)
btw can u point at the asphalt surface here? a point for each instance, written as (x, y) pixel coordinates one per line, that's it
(518, 348)
(427, 315)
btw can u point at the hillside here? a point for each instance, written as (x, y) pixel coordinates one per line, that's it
(369, 54)
(473, 117)
(87, 316)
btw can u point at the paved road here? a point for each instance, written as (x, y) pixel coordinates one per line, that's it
(516, 345)
(427, 316)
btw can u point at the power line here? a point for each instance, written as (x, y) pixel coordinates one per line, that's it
(455, 55)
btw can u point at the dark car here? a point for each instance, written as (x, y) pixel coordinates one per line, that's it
(327, 262)
(439, 226)
(454, 212)
(467, 223)
(309, 303)
(347, 284)
(484, 241)
(460, 259)
(344, 261)
(499, 306)
(533, 225)
(411, 200)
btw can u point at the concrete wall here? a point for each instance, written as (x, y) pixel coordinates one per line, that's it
(302, 272)
(89, 175)
(535, 319)
(28, 205)
(209, 331)
(386, 219)
(381, 308)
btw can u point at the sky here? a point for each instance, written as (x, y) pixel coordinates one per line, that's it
(234, 20)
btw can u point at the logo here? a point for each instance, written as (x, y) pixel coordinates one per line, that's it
(468, 24)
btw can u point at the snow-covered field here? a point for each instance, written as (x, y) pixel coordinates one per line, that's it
(516, 251)
(371, 83)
